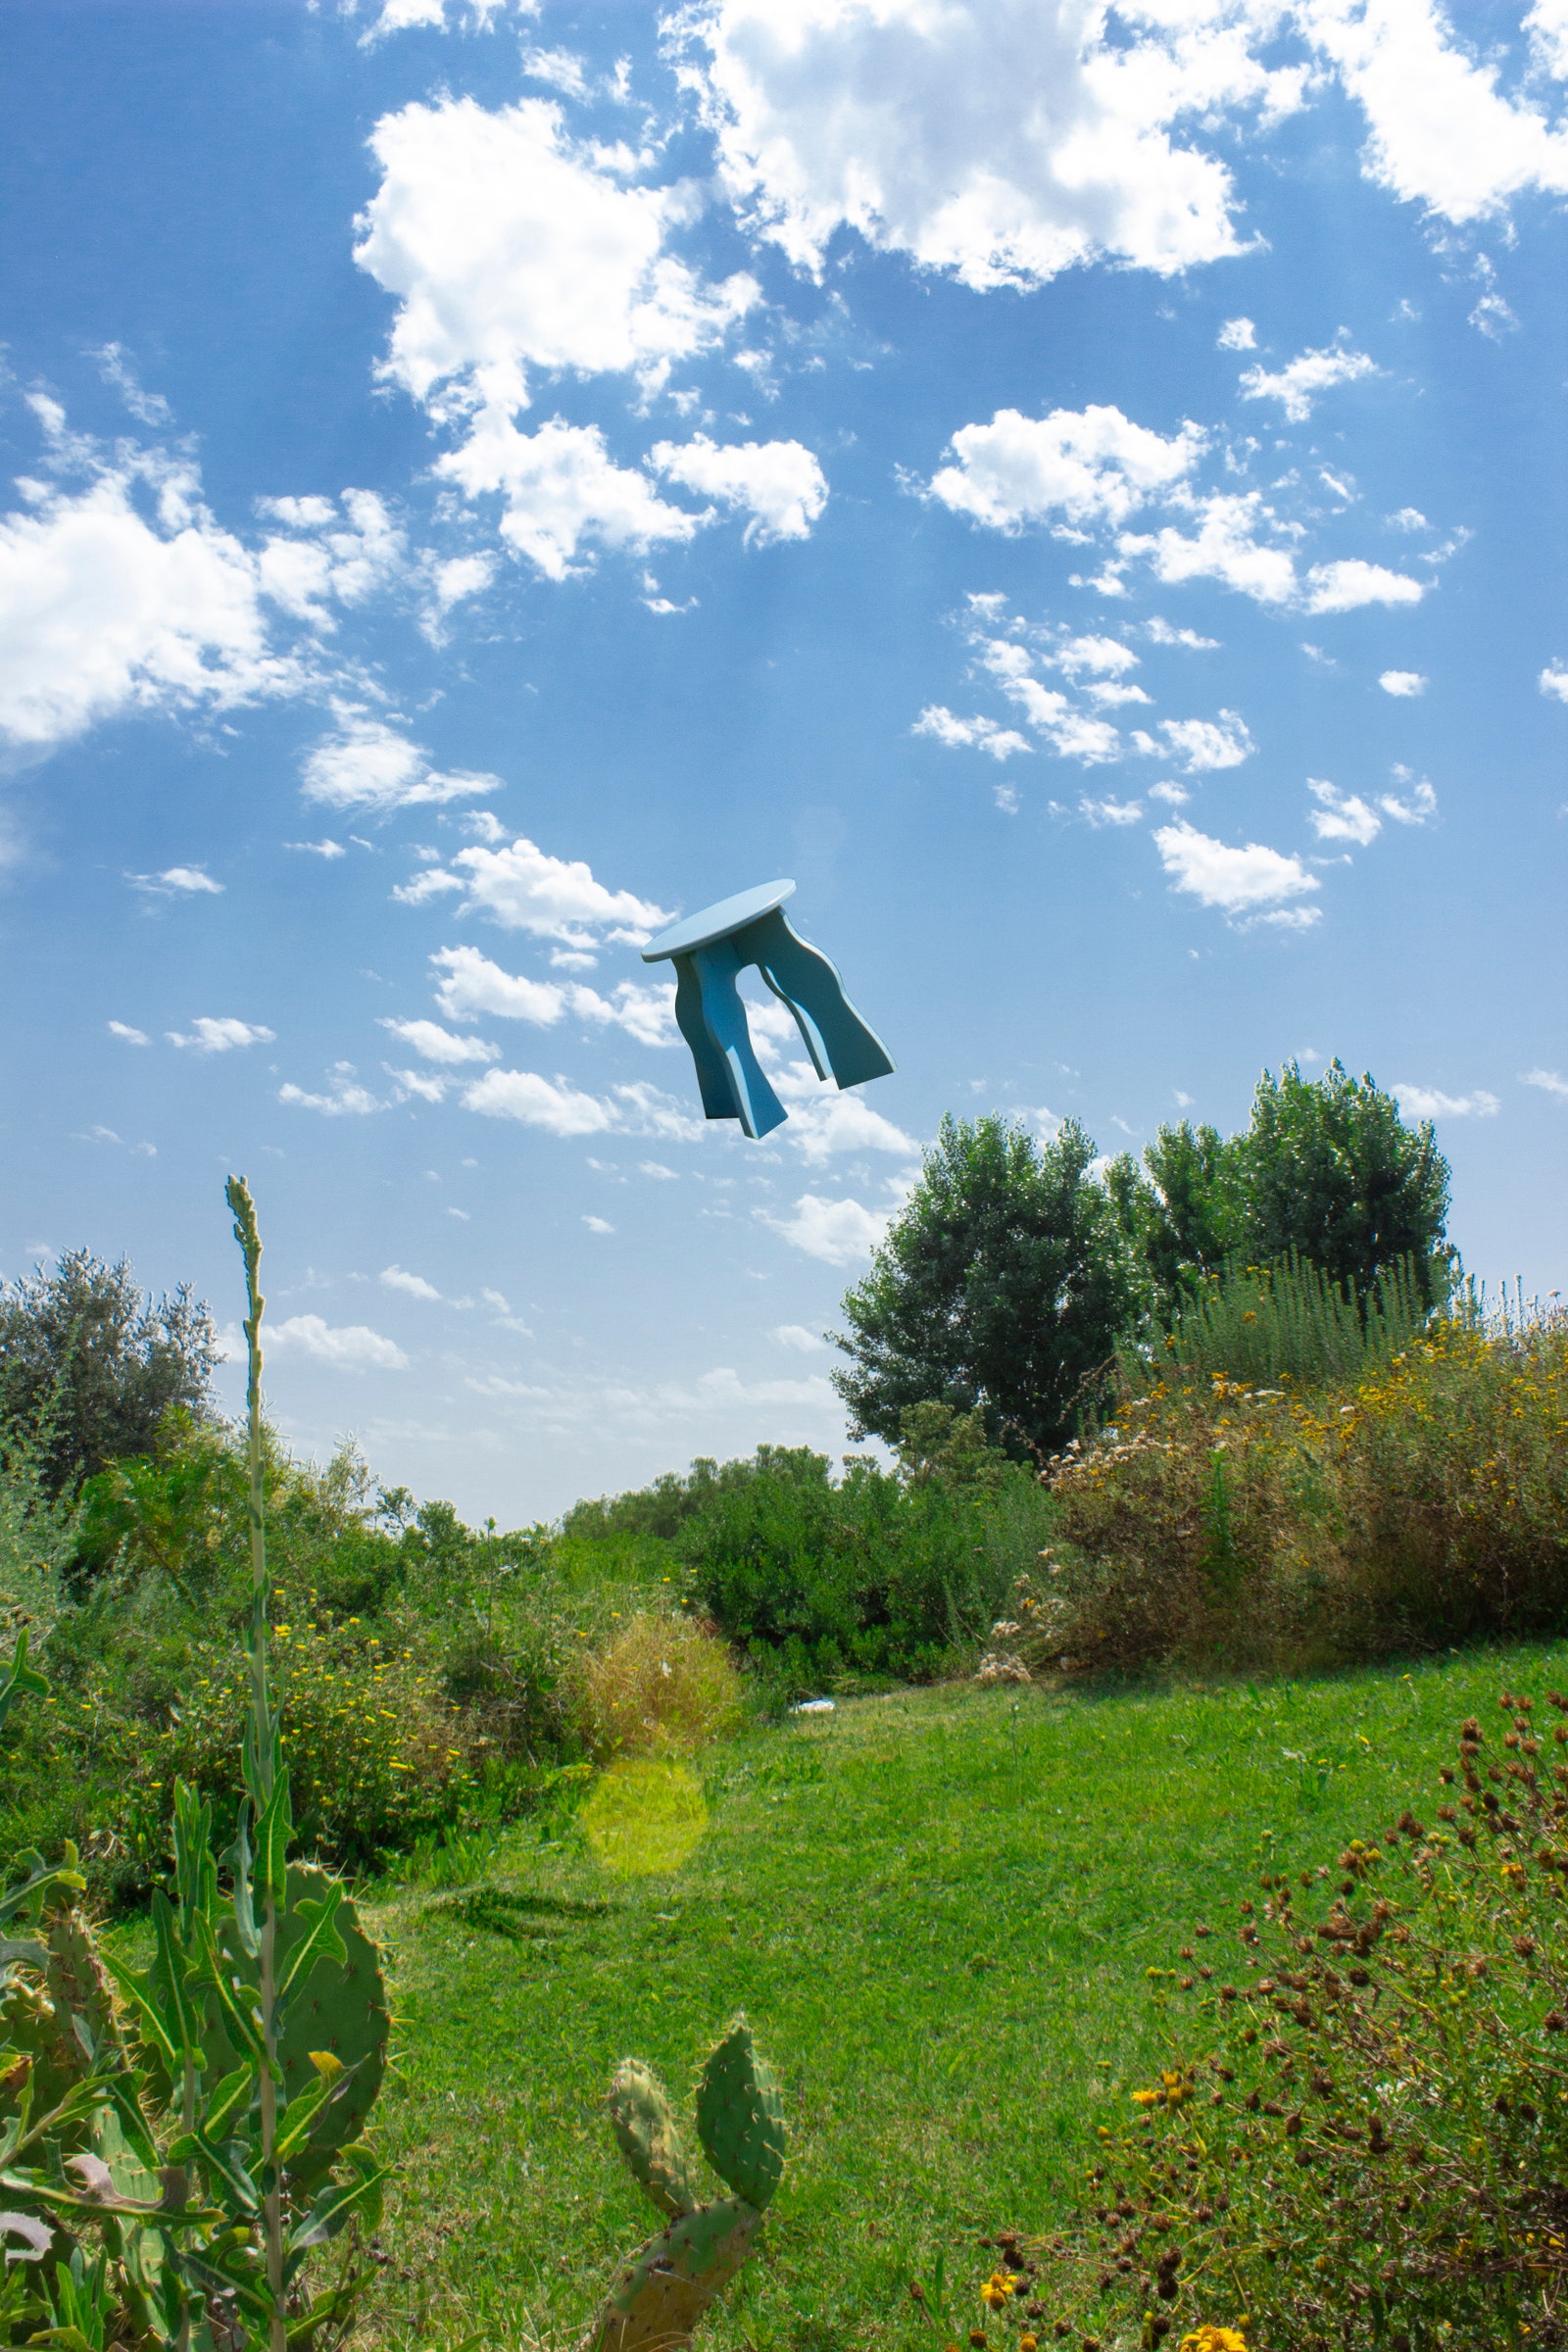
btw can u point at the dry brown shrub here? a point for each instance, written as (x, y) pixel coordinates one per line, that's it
(661, 1686)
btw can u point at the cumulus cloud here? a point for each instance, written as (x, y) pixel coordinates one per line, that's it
(1426, 1103)
(979, 734)
(1549, 1083)
(562, 492)
(1002, 144)
(1402, 682)
(1098, 813)
(1298, 384)
(398, 1278)
(407, 16)
(1203, 743)
(316, 554)
(177, 882)
(345, 1099)
(1554, 682)
(1236, 334)
(557, 1106)
(1087, 466)
(1442, 133)
(521, 888)
(795, 1335)
(223, 1034)
(1344, 586)
(778, 483)
(1245, 882)
(366, 764)
(1225, 547)
(345, 1346)
(123, 594)
(128, 1035)
(1342, 815)
(1414, 809)
(839, 1231)
(598, 1225)
(432, 1042)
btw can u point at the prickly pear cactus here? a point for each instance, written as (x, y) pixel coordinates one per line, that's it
(740, 2118)
(661, 2295)
(55, 2009)
(340, 2009)
(649, 2138)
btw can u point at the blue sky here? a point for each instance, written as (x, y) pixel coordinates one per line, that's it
(1083, 492)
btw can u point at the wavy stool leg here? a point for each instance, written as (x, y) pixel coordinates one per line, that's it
(757, 1106)
(810, 986)
(712, 1070)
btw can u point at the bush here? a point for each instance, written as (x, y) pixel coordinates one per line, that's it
(661, 1684)
(879, 1574)
(1363, 2137)
(1424, 1507)
(1289, 1320)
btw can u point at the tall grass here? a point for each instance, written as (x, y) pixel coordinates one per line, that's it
(1291, 1320)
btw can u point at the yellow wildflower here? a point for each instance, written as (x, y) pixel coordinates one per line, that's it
(998, 2288)
(1209, 2338)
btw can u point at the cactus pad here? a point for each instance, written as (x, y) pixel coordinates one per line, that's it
(740, 2117)
(39, 2009)
(661, 2293)
(649, 2138)
(339, 2008)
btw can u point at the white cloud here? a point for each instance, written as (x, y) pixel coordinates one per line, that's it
(328, 849)
(1421, 805)
(1160, 632)
(1091, 465)
(1241, 881)
(1097, 654)
(397, 1278)
(322, 557)
(1402, 682)
(346, 1346)
(1236, 334)
(1342, 815)
(780, 484)
(1099, 814)
(795, 1335)
(432, 1042)
(1426, 1103)
(1344, 586)
(1408, 518)
(346, 1099)
(524, 888)
(222, 1035)
(839, 1231)
(1004, 144)
(1203, 743)
(367, 764)
(130, 1036)
(560, 490)
(126, 595)
(598, 1225)
(452, 583)
(656, 1169)
(979, 734)
(1225, 548)
(823, 1122)
(1548, 1082)
(1553, 680)
(522, 1095)
(1297, 385)
(177, 882)
(1443, 134)
(512, 248)
(472, 986)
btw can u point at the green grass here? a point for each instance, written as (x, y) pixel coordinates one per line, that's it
(938, 1913)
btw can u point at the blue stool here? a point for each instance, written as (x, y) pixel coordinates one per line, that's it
(707, 950)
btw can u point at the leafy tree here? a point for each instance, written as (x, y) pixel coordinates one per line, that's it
(89, 1367)
(1327, 1168)
(1001, 1288)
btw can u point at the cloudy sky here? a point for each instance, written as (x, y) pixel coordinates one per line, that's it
(1080, 489)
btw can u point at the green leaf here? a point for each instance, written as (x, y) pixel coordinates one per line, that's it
(274, 1833)
(230, 2098)
(320, 1939)
(241, 2020)
(294, 2124)
(238, 1859)
(135, 1989)
(337, 2203)
(171, 1972)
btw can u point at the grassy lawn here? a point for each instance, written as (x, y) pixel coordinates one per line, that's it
(938, 1909)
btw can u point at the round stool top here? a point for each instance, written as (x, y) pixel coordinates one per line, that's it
(718, 922)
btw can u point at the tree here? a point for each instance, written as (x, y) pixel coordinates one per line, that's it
(1327, 1168)
(1002, 1285)
(89, 1367)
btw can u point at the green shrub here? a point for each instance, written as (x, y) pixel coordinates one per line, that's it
(1289, 1320)
(1219, 1522)
(877, 1574)
(1362, 2137)
(661, 1684)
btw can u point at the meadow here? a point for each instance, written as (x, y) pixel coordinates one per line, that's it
(941, 1910)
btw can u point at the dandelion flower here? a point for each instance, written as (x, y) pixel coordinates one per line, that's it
(998, 2289)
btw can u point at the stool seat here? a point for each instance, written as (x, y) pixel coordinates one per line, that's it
(708, 950)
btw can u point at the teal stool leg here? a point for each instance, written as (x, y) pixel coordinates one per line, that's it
(809, 985)
(712, 1071)
(754, 1103)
